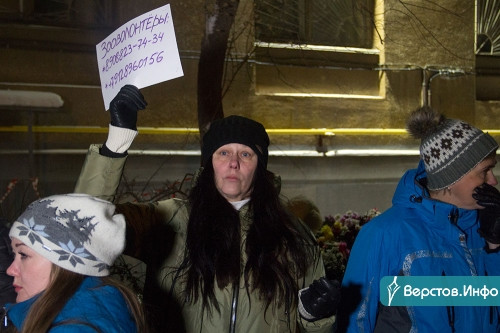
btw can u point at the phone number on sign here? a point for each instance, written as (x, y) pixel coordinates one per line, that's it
(131, 67)
(128, 49)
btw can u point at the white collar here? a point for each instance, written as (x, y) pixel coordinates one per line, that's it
(238, 204)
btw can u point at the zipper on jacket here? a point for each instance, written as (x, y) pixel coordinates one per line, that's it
(4, 317)
(453, 217)
(5, 323)
(450, 310)
(234, 306)
(462, 238)
(414, 198)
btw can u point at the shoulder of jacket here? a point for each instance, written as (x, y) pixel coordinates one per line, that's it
(171, 203)
(91, 296)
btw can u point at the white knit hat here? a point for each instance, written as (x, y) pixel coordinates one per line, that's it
(77, 232)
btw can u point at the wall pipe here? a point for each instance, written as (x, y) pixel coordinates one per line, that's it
(184, 131)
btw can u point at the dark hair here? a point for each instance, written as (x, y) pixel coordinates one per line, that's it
(279, 248)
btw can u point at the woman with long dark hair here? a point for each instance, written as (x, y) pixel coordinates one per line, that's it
(239, 261)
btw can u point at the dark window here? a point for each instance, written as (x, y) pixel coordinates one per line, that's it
(64, 13)
(320, 22)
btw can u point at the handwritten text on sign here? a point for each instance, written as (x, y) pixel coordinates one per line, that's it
(141, 52)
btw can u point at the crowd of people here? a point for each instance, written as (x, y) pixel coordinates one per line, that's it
(234, 257)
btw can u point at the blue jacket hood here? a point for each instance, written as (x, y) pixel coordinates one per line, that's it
(411, 193)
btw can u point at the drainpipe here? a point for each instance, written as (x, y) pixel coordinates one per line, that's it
(426, 81)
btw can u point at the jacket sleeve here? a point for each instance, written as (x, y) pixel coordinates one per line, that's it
(316, 271)
(100, 175)
(325, 325)
(360, 285)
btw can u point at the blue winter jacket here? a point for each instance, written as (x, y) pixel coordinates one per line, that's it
(93, 308)
(417, 236)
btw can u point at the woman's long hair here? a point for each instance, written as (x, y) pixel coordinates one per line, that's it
(61, 288)
(279, 248)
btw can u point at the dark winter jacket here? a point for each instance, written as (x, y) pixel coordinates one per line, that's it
(7, 293)
(417, 236)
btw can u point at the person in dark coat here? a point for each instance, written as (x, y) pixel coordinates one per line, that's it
(7, 293)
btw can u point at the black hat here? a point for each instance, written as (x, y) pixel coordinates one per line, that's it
(236, 129)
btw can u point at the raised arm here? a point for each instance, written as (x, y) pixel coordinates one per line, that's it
(103, 166)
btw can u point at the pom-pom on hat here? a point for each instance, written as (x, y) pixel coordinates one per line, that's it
(77, 232)
(236, 129)
(450, 148)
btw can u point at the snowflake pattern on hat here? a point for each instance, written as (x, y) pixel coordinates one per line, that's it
(71, 243)
(63, 229)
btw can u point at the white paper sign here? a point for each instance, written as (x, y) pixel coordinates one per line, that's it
(141, 52)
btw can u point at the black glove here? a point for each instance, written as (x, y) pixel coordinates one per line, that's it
(320, 299)
(123, 108)
(489, 217)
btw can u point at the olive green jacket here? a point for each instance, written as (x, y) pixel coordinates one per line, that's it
(100, 176)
